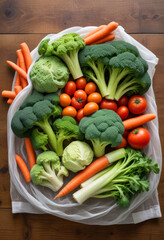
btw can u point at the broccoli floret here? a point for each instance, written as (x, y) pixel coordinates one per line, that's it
(27, 118)
(102, 128)
(65, 128)
(39, 140)
(48, 171)
(66, 48)
(123, 46)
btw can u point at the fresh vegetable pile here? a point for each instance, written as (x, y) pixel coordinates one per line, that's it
(85, 115)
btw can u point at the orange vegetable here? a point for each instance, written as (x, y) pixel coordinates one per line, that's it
(94, 97)
(65, 100)
(23, 168)
(10, 100)
(90, 108)
(96, 30)
(122, 145)
(21, 59)
(17, 81)
(69, 111)
(30, 152)
(8, 94)
(18, 69)
(109, 37)
(138, 121)
(17, 89)
(26, 54)
(90, 88)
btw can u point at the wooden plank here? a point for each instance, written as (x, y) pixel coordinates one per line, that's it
(30, 16)
(35, 227)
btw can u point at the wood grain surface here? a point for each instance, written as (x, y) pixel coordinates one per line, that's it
(30, 21)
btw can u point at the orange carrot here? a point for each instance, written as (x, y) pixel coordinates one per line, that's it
(94, 31)
(102, 33)
(21, 59)
(109, 37)
(30, 152)
(8, 94)
(10, 100)
(18, 69)
(17, 80)
(17, 89)
(23, 168)
(26, 54)
(138, 121)
(88, 172)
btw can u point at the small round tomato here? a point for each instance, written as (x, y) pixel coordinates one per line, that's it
(69, 111)
(65, 100)
(79, 99)
(90, 108)
(123, 101)
(70, 88)
(123, 112)
(80, 114)
(137, 104)
(139, 138)
(90, 88)
(108, 104)
(94, 97)
(122, 145)
(81, 83)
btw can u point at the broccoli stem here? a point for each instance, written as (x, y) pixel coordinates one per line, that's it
(98, 147)
(51, 177)
(45, 126)
(72, 63)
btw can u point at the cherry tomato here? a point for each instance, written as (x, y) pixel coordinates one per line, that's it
(65, 100)
(94, 97)
(123, 112)
(139, 138)
(108, 104)
(123, 101)
(90, 88)
(137, 104)
(122, 145)
(70, 88)
(69, 111)
(90, 108)
(79, 99)
(80, 114)
(81, 83)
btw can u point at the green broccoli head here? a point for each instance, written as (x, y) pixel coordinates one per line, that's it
(48, 171)
(49, 74)
(39, 140)
(123, 46)
(102, 128)
(65, 129)
(66, 48)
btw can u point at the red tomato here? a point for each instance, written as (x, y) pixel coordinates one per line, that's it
(70, 88)
(139, 138)
(108, 104)
(94, 97)
(81, 83)
(90, 88)
(90, 108)
(80, 114)
(123, 112)
(65, 100)
(69, 111)
(122, 145)
(137, 104)
(79, 99)
(123, 101)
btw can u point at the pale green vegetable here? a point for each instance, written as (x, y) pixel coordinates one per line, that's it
(77, 155)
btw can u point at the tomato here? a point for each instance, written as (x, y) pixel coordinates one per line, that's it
(139, 138)
(79, 99)
(137, 104)
(94, 97)
(90, 88)
(80, 114)
(108, 104)
(81, 83)
(70, 88)
(123, 101)
(123, 112)
(122, 145)
(90, 108)
(69, 111)
(65, 100)
(125, 134)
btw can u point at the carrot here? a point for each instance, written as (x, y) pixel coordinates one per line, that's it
(8, 94)
(23, 168)
(88, 172)
(21, 59)
(30, 152)
(138, 121)
(26, 54)
(102, 33)
(10, 100)
(107, 38)
(18, 69)
(94, 31)
(17, 80)
(17, 89)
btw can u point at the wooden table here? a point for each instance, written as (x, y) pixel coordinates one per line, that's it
(30, 21)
